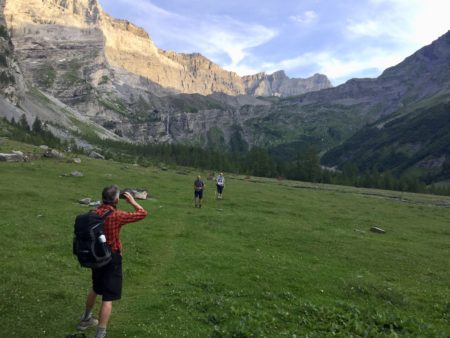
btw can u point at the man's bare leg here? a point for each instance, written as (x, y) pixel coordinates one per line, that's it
(105, 313)
(90, 300)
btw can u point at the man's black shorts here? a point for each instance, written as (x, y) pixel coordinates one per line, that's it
(107, 280)
(198, 194)
(219, 188)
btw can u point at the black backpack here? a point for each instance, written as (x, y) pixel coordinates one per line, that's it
(89, 242)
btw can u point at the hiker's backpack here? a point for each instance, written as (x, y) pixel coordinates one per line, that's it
(89, 242)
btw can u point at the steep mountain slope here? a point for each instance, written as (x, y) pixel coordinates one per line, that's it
(331, 116)
(416, 141)
(18, 97)
(412, 100)
(421, 75)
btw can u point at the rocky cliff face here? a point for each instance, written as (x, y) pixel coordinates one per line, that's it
(9, 70)
(83, 28)
(278, 84)
(111, 72)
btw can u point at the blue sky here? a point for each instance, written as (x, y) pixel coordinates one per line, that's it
(341, 39)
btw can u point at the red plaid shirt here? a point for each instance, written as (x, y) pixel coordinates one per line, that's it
(115, 221)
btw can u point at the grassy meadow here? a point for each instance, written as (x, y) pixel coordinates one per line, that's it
(272, 259)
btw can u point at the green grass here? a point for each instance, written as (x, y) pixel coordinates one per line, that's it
(273, 259)
(4, 32)
(104, 80)
(114, 104)
(47, 75)
(36, 93)
(72, 76)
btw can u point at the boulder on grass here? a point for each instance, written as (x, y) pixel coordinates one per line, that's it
(95, 204)
(377, 230)
(139, 194)
(76, 174)
(52, 153)
(77, 160)
(96, 155)
(13, 157)
(85, 201)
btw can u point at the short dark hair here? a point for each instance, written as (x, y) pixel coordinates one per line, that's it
(110, 194)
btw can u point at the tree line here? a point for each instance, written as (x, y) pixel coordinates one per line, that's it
(36, 134)
(258, 162)
(253, 162)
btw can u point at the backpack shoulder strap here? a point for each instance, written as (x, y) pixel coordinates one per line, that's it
(106, 214)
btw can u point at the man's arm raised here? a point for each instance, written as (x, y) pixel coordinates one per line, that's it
(129, 217)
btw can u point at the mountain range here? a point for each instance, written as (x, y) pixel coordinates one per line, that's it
(72, 65)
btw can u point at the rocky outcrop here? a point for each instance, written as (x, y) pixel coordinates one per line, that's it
(96, 155)
(52, 153)
(15, 156)
(70, 46)
(278, 84)
(9, 70)
(111, 72)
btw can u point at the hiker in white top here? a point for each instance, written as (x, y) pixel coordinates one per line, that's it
(220, 182)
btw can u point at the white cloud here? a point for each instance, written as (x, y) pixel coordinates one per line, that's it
(355, 64)
(366, 28)
(407, 22)
(226, 35)
(305, 18)
(394, 30)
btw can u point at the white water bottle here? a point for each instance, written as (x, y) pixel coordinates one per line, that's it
(102, 239)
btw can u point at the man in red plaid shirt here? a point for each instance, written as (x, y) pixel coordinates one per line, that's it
(107, 281)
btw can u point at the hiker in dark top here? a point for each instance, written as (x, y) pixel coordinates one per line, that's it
(198, 191)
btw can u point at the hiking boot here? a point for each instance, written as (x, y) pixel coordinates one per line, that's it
(100, 335)
(84, 324)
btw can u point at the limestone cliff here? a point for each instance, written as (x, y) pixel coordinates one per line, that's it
(278, 84)
(74, 57)
(8, 68)
(81, 28)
